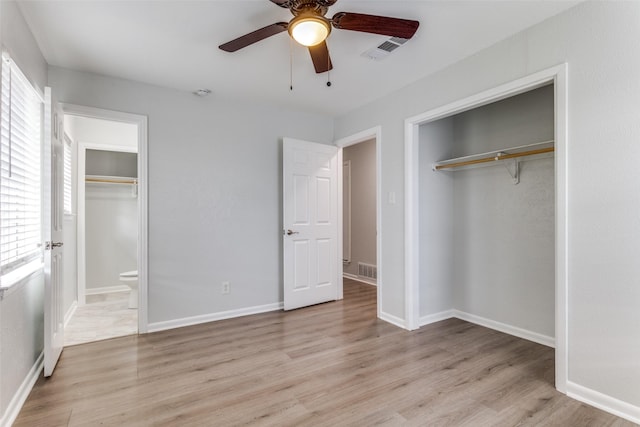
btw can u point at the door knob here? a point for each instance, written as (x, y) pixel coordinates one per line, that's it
(290, 232)
(50, 245)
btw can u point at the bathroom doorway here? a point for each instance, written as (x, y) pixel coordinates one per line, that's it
(360, 207)
(108, 223)
(359, 252)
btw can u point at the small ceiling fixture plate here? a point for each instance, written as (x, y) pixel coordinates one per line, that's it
(202, 92)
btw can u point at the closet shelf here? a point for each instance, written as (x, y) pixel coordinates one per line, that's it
(538, 150)
(98, 179)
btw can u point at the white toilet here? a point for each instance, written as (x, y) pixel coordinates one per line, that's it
(130, 278)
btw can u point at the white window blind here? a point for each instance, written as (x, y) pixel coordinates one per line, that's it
(68, 209)
(20, 170)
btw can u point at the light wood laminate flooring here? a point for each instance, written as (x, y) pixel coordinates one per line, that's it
(332, 364)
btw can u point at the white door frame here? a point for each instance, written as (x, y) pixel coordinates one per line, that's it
(141, 122)
(556, 75)
(365, 135)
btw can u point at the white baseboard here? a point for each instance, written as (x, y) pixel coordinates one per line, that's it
(602, 401)
(394, 320)
(436, 317)
(69, 314)
(22, 393)
(195, 320)
(359, 279)
(106, 290)
(507, 329)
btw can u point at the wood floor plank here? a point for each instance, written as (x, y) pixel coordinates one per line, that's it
(332, 364)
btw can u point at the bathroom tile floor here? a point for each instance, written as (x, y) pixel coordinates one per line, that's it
(104, 316)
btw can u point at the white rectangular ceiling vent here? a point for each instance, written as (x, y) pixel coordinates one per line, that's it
(382, 51)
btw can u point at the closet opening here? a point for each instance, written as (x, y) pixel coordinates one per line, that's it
(486, 220)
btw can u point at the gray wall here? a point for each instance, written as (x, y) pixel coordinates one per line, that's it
(111, 219)
(215, 203)
(363, 204)
(111, 163)
(111, 224)
(504, 234)
(436, 219)
(21, 310)
(597, 40)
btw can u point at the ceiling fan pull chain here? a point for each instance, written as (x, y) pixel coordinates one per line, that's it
(290, 64)
(328, 69)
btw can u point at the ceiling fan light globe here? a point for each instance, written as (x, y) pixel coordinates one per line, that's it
(309, 30)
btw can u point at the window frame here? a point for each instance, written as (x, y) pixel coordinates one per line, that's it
(27, 263)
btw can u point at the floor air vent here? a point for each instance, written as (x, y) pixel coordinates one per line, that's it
(368, 270)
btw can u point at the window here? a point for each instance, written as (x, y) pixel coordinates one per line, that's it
(68, 208)
(20, 170)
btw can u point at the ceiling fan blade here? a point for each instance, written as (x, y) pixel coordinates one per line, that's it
(320, 57)
(385, 25)
(253, 37)
(282, 3)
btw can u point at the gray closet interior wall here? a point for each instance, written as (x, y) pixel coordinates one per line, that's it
(111, 218)
(487, 245)
(111, 163)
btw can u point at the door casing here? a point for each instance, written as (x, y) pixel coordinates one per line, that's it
(141, 122)
(365, 135)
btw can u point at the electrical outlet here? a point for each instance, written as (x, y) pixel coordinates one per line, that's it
(226, 288)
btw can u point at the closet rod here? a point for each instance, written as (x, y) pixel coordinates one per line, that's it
(497, 157)
(112, 181)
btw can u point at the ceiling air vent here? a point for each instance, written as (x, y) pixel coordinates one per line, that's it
(382, 51)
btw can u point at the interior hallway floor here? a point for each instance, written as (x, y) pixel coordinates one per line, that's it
(332, 364)
(103, 316)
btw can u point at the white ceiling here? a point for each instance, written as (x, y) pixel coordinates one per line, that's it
(175, 44)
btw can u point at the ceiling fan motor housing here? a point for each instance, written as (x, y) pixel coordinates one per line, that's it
(318, 7)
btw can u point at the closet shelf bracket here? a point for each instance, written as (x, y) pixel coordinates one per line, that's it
(512, 167)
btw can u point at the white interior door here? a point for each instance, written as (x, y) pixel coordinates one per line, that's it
(53, 205)
(310, 223)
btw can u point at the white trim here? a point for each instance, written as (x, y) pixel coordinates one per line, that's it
(562, 226)
(14, 407)
(346, 258)
(340, 219)
(411, 225)
(359, 279)
(507, 329)
(143, 205)
(436, 317)
(70, 312)
(394, 320)
(558, 76)
(362, 136)
(107, 290)
(602, 401)
(205, 318)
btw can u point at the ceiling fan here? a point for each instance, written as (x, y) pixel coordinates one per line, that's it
(310, 28)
